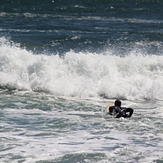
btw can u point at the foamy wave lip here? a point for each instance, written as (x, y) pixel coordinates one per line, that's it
(134, 76)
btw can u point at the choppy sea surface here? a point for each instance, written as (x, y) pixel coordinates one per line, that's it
(62, 62)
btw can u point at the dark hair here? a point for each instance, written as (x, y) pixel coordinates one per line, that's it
(117, 103)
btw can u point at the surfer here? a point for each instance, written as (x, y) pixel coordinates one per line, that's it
(119, 111)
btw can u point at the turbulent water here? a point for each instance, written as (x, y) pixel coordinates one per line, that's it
(62, 62)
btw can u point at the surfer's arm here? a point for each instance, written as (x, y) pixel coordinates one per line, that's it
(130, 110)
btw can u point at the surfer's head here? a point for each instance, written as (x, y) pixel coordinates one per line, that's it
(117, 103)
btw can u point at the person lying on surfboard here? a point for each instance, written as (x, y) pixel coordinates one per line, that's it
(119, 111)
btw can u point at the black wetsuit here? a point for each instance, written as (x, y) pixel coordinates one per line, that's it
(120, 111)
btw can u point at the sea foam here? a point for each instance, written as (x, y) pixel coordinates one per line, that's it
(82, 74)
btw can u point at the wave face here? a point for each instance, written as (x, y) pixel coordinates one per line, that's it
(134, 76)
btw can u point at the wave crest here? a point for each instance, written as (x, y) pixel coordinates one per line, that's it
(134, 76)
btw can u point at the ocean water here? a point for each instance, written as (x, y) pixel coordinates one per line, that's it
(62, 62)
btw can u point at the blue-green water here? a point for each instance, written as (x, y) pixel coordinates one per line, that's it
(61, 64)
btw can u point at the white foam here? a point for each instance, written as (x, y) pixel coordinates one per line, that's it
(135, 76)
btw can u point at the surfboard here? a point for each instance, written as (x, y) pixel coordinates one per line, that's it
(107, 108)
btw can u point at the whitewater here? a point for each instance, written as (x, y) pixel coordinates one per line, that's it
(135, 76)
